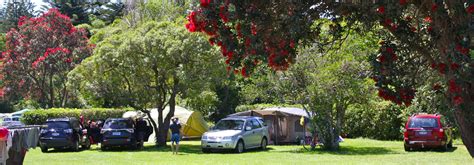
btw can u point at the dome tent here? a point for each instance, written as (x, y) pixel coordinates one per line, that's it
(193, 124)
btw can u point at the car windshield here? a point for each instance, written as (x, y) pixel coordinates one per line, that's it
(229, 124)
(117, 124)
(423, 122)
(58, 125)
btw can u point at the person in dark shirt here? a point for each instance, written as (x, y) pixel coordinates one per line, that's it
(141, 128)
(175, 134)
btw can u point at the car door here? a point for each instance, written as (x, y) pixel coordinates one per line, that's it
(248, 135)
(256, 133)
(76, 129)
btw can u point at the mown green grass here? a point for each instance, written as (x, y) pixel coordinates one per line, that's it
(353, 151)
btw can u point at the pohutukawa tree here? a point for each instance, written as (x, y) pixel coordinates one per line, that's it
(418, 36)
(38, 56)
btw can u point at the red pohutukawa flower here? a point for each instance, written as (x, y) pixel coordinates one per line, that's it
(442, 68)
(457, 100)
(453, 87)
(205, 3)
(470, 9)
(403, 2)
(428, 19)
(245, 43)
(381, 10)
(462, 50)
(434, 7)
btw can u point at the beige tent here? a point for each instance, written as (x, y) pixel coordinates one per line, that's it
(283, 123)
(193, 123)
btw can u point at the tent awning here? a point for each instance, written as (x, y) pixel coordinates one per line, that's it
(274, 111)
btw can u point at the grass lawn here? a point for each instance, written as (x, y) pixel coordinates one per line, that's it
(353, 151)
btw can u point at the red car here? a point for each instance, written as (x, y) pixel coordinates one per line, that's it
(427, 131)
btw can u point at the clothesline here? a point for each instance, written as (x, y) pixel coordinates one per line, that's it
(19, 140)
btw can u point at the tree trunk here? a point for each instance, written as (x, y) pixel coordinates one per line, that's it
(340, 112)
(65, 94)
(51, 92)
(162, 132)
(465, 120)
(324, 121)
(164, 125)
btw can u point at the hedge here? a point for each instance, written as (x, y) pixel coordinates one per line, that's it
(39, 116)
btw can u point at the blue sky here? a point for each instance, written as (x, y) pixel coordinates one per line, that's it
(38, 3)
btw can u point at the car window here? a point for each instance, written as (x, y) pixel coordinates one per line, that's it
(58, 125)
(255, 124)
(423, 123)
(7, 119)
(229, 125)
(76, 124)
(262, 122)
(117, 124)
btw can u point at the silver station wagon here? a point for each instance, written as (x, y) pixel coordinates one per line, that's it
(237, 133)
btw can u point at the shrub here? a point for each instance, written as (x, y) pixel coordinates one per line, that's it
(377, 120)
(39, 116)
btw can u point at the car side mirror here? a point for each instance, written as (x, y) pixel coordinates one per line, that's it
(248, 128)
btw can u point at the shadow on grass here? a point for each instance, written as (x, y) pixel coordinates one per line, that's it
(452, 149)
(63, 150)
(183, 149)
(347, 150)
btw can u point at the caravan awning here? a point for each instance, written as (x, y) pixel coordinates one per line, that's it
(273, 111)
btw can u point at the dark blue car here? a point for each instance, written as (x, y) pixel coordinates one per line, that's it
(60, 133)
(118, 132)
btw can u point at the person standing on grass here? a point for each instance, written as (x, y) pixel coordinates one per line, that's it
(141, 127)
(175, 135)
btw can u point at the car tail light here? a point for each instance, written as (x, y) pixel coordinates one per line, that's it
(408, 133)
(102, 131)
(130, 130)
(43, 131)
(441, 133)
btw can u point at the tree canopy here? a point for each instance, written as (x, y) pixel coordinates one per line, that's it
(146, 66)
(38, 57)
(418, 36)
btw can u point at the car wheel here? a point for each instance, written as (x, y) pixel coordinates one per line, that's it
(408, 149)
(240, 147)
(133, 146)
(445, 147)
(44, 149)
(103, 147)
(75, 146)
(206, 150)
(450, 144)
(263, 144)
(87, 144)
